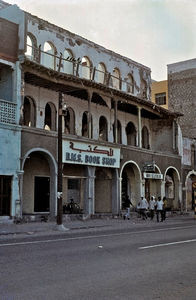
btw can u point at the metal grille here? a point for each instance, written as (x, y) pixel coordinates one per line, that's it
(7, 112)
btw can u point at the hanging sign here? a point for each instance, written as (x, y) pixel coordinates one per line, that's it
(153, 175)
(90, 154)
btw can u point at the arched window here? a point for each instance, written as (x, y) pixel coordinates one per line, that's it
(101, 73)
(119, 132)
(48, 57)
(143, 89)
(50, 117)
(86, 68)
(103, 129)
(145, 138)
(68, 62)
(69, 121)
(29, 112)
(116, 79)
(85, 125)
(131, 134)
(31, 47)
(130, 84)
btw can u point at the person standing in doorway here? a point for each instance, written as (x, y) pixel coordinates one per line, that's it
(127, 205)
(164, 208)
(159, 204)
(152, 203)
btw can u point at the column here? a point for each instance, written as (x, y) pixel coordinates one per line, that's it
(142, 187)
(90, 93)
(89, 205)
(115, 122)
(139, 128)
(18, 202)
(162, 189)
(180, 196)
(116, 193)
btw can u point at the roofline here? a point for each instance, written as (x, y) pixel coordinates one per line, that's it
(89, 42)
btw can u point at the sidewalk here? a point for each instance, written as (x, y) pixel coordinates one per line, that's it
(11, 230)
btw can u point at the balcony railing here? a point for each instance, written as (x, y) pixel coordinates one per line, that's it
(75, 67)
(7, 112)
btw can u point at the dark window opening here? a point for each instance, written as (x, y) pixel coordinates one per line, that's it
(103, 128)
(5, 195)
(85, 124)
(145, 138)
(160, 99)
(42, 194)
(131, 134)
(119, 133)
(73, 191)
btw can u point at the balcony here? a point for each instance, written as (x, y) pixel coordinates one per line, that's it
(81, 68)
(7, 112)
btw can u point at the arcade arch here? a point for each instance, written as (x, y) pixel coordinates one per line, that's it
(130, 183)
(172, 187)
(39, 183)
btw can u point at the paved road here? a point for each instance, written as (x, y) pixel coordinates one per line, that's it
(158, 262)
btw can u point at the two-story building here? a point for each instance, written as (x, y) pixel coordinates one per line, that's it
(10, 131)
(116, 142)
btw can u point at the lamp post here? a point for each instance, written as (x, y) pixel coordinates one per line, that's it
(59, 176)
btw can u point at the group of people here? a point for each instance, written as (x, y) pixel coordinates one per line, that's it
(159, 206)
(153, 206)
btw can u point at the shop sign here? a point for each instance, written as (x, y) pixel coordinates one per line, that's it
(149, 167)
(153, 176)
(90, 154)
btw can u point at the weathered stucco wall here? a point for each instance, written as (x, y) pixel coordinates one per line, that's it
(182, 94)
(80, 47)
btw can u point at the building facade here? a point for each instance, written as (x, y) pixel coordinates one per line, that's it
(116, 141)
(159, 93)
(10, 131)
(182, 97)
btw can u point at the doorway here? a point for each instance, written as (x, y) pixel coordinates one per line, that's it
(42, 194)
(5, 195)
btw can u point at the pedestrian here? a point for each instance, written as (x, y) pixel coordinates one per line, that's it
(127, 204)
(164, 208)
(159, 204)
(143, 207)
(152, 204)
(138, 210)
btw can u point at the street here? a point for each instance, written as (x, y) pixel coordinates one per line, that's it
(157, 262)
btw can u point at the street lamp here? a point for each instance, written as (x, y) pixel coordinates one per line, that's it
(60, 177)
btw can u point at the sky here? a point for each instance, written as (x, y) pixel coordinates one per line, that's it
(152, 32)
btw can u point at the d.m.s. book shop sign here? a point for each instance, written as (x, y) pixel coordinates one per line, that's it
(90, 154)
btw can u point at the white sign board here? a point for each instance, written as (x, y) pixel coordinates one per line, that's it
(90, 154)
(153, 175)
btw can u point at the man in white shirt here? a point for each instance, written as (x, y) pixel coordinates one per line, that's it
(159, 204)
(143, 207)
(152, 203)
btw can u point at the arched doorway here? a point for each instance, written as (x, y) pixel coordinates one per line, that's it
(190, 185)
(130, 183)
(172, 185)
(39, 183)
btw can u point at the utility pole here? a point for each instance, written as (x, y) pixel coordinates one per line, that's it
(59, 180)
(60, 171)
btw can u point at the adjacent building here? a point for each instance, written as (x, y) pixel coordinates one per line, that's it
(116, 141)
(182, 97)
(159, 93)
